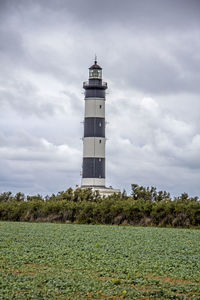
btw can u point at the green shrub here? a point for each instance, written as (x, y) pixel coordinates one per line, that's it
(146, 206)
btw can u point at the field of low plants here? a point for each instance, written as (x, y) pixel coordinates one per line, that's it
(70, 261)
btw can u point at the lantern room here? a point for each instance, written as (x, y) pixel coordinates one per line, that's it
(95, 71)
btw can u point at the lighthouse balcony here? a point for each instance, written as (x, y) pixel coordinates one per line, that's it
(93, 84)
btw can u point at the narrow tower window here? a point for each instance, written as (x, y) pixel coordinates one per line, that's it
(99, 141)
(100, 106)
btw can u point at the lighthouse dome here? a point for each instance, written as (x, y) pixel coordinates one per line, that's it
(95, 66)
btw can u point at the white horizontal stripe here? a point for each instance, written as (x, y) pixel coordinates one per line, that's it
(93, 147)
(93, 182)
(95, 108)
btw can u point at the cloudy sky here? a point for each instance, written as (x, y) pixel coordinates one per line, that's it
(150, 54)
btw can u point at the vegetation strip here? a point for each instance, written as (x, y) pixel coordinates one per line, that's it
(145, 207)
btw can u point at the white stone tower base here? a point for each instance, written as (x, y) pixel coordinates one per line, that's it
(104, 191)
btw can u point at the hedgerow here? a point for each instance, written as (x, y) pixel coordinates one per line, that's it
(144, 207)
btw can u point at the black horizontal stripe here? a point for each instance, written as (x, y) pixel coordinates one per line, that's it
(94, 93)
(93, 167)
(94, 127)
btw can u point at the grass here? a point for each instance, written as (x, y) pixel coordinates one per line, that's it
(65, 261)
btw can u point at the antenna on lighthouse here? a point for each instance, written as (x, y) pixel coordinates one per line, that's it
(95, 59)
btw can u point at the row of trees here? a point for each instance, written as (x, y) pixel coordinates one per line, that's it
(145, 206)
(138, 193)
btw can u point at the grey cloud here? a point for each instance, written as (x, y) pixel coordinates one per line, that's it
(24, 97)
(156, 73)
(11, 43)
(155, 143)
(150, 54)
(158, 65)
(152, 14)
(25, 160)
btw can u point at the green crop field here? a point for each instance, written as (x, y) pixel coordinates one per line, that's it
(65, 261)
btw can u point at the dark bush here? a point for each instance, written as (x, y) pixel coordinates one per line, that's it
(145, 207)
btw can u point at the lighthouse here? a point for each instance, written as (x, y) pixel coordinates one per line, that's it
(94, 141)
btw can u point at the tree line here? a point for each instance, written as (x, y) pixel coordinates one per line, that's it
(144, 207)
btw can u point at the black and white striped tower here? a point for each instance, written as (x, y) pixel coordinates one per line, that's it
(93, 171)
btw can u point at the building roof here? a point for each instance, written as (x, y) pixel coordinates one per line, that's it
(95, 66)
